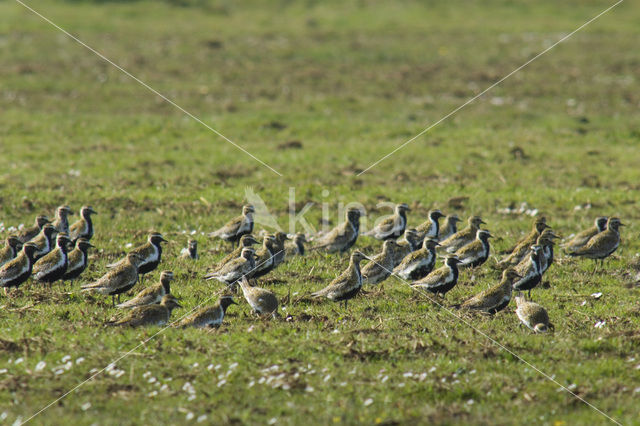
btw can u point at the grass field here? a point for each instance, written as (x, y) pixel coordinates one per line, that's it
(350, 81)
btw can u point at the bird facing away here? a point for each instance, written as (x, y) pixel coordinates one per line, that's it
(431, 227)
(262, 301)
(236, 269)
(152, 294)
(344, 236)
(83, 228)
(190, 251)
(602, 245)
(441, 280)
(246, 241)
(530, 270)
(236, 227)
(208, 316)
(296, 246)
(393, 226)
(381, 265)
(264, 259)
(477, 252)
(346, 285)
(18, 270)
(418, 264)
(582, 238)
(12, 247)
(149, 315)
(52, 267)
(496, 298)
(463, 237)
(449, 227)
(78, 259)
(522, 247)
(44, 241)
(118, 279)
(61, 222)
(30, 233)
(534, 316)
(280, 250)
(409, 243)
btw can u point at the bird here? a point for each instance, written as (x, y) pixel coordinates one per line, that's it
(18, 270)
(152, 294)
(52, 267)
(236, 227)
(449, 227)
(494, 299)
(441, 280)
(602, 245)
(262, 301)
(236, 269)
(246, 241)
(264, 257)
(12, 247)
(30, 233)
(409, 243)
(380, 266)
(61, 222)
(530, 270)
(296, 246)
(83, 228)
(477, 252)
(44, 241)
(78, 259)
(149, 315)
(118, 279)
(208, 316)
(419, 263)
(522, 247)
(463, 237)
(150, 253)
(191, 251)
(431, 227)
(393, 226)
(342, 237)
(546, 240)
(532, 315)
(582, 238)
(280, 251)
(347, 285)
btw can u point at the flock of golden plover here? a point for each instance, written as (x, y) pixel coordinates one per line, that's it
(51, 251)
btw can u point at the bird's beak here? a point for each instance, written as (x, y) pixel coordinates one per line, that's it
(162, 239)
(483, 222)
(622, 224)
(233, 302)
(93, 211)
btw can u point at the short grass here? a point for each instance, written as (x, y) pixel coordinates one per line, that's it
(350, 81)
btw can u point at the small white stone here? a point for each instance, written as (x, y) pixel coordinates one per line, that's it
(201, 418)
(367, 402)
(40, 366)
(85, 406)
(189, 415)
(80, 360)
(65, 358)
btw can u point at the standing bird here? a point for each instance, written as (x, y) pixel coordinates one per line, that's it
(152, 294)
(18, 270)
(265, 259)
(475, 253)
(347, 285)
(381, 265)
(409, 243)
(61, 222)
(530, 270)
(209, 316)
(118, 279)
(430, 228)
(262, 301)
(191, 251)
(602, 245)
(280, 250)
(494, 299)
(236, 269)
(449, 227)
(546, 240)
(78, 260)
(344, 236)
(418, 264)
(246, 241)
(522, 247)
(582, 238)
(52, 267)
(236, 227)
(149, 314)
(441, 280)
(44, 241)
(83, 228)
(150, 253)
(296, 247)
(31, 232)
(12, 247)
(463, 237)
(393, 226)
(534, 316)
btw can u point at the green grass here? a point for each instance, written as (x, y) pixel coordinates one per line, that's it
(350, 81)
